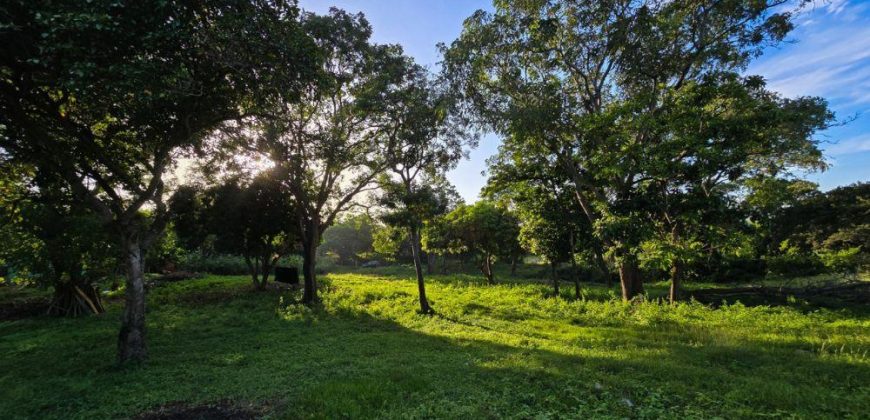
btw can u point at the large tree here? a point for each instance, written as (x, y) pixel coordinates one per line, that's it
(331, 145)
(253, 219)
(49, 238)
(425, 140)
(635, 101)
(101, 94)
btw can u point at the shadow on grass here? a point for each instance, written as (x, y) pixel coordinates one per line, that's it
(347, 362)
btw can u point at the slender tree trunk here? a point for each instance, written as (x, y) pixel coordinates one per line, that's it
(676, 273)
(514, 265)
(253, 267)
(555, 279)
(131, 340)
(418, 267)
(630, 280)
(430, 263)
(490, 278)
(574, 274)
(309, 260)
(444, 264)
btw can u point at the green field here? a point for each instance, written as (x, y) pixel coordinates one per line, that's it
(504, 351)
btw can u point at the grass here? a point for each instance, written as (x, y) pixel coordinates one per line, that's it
(491, 352)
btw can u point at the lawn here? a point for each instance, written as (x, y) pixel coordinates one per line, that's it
(508, 350)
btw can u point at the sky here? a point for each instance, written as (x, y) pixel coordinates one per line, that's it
(827, 55)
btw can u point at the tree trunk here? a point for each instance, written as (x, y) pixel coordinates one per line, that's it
(514, 266)
(430, 263)
(555, 279)
(488, 269)
(574, 275)
(676, 273)
(254, 268)
(630, 280)
(131, 340)
(418, 267)
(444, 264)
(309, 261)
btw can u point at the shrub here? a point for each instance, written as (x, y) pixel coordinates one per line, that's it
(214, 264)
(223, 264)
(795, 264)
(844, 261)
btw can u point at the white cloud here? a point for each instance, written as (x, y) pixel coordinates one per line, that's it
(849, 146)
(831, 57)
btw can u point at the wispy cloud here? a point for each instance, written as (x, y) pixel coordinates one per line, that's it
(830, 58)
(849, 146)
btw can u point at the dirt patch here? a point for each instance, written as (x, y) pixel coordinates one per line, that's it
(221, 410)
(21, 309)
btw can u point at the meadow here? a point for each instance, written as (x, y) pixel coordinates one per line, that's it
(505, 351)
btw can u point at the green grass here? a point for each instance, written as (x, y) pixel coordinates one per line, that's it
(491, 352)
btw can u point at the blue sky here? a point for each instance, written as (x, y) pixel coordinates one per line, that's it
(827, 55)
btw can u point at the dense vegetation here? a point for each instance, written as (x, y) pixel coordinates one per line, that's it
(166, 143)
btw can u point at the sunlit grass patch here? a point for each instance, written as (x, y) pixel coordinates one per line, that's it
(507, 350)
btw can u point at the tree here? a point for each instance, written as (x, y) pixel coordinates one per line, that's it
(254, 220)
(408, 205)
(349, 239)
(424, 142)
(51, 239)
(635, 102)
(331, 145)
(484, 230)
(101, 94)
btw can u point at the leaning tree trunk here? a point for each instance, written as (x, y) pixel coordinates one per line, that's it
(309, 261)
(418, 267)
(630, 280)
(131, 340)
(676, 273)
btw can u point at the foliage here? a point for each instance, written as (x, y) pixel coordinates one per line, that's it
(518, 354)
(50, 239)
(350, 239)
(485, 231)
(102, 95)
(391, 242)
(836, 220)
(643, 106)
(255, 221)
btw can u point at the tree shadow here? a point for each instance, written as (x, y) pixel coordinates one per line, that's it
(350, 362)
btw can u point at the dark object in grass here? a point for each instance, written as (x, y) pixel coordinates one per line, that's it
(221, 410)
(288, 275)
(836, 295)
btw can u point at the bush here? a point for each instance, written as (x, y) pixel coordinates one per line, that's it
(732, 269)
(214, 264)
(223, 264)
(795, 264)
(844, 261)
